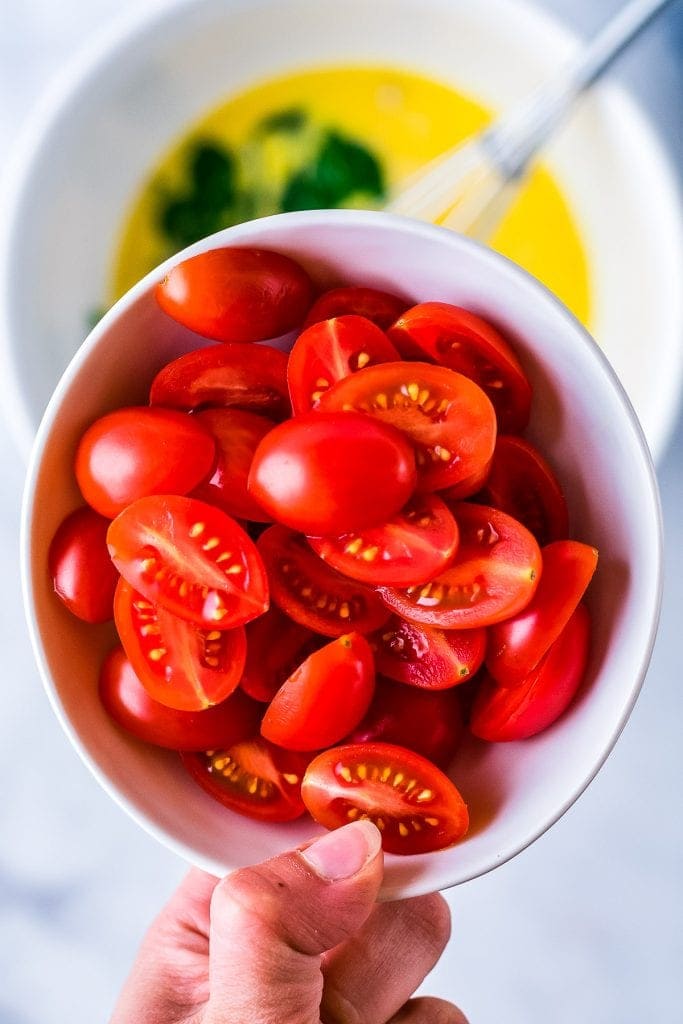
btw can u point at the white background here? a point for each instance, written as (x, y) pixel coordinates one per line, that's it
(584, 926)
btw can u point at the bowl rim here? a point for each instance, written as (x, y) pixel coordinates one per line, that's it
(232, 235)
(120, 33)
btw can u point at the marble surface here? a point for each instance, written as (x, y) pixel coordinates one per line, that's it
(583, 926)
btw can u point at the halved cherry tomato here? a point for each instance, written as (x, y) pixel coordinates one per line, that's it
(137, 451)
(468, 486)
(130, 705)
(431, 724)
(275, 647)
(313, 594)
(456, 338)
(414, 546)
(517, 712)
(324, 698)
(517, 645)
(448, 418)
(415, 806)
(237, 294)
(330, 350)
(179, 665)
(380, 307)
(428, 658)
(83, 574)
(333, 472)
(493, 576)
(237, 435)
(249, 377)
(521, 483)
(253, 778)
(190, 558)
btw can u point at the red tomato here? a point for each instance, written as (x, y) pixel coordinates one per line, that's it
(83, 574)
(237, 435)
(324, 698)
(415, 806)
(517, 645)
(253, 778)
(380, 307)
(134, 452)
(414, 546)
(515, 713)
(313, 594)
(237, 294)
(448, 418)
(431, 659)
(521, 483)
(453, 337)
(330, 350)
(179, 665)
(428, 723)
(493, 576)
(249, 377)
(469, 486)
(275, 647)
(130, 705)
(332, 473)
(190, 558)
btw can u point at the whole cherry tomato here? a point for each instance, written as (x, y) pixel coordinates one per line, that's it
(425, 657)
(380, 307)
(83, 575)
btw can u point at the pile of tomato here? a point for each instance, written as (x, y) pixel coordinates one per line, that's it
(322, 565)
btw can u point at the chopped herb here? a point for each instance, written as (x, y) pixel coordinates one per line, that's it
(185, 220)
(94, 316)
(303, 192)
(345, 166)
(212, 171)
(291, 120)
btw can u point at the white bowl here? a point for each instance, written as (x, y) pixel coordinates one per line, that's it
(138, 88)
(581, 419)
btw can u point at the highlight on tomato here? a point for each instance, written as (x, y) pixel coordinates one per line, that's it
(426, 657)
(82, 573)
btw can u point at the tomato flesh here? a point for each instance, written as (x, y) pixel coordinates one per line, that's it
(134, 452)
(415, 806)
(83, 575)
(428, 658)
(249, 377)
(414, 546)
(462, 341)
(311, 593)
(191, 559)
(253, 778)
(237, 294)
(448, 418)
(380, 307)
(237, 435)
(503, 713)
(276, 646)
(494, 574)
(130, 705)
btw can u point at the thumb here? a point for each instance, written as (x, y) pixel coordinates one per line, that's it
(271, 923)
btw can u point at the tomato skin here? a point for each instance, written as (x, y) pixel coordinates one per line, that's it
(380, 307)
(521, 483)
(127, 701)
(83, 575)
(430, 724)
(428, 658)
(311, 593)
(448, 418)
(517, 645)
(237, 435)
(503, 713)
(190, 558)
(134, 452)
(334, 472)
(414, 546)
(462, 341)
(236, 294)
(180, 665)
(276, 646)
(330, 350)
(249, 377)
(493, 576)
(344, 782)
(274, 775)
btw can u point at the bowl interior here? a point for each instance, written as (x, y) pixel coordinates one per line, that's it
(104, 129)
(582, 422)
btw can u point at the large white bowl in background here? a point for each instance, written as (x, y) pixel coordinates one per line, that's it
(104, 126)
(581, 419)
